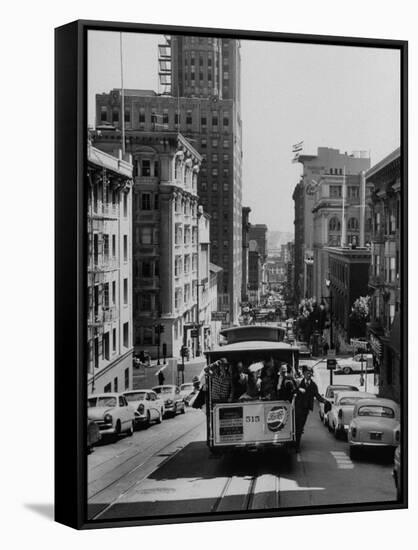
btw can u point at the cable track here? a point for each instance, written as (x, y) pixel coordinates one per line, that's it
(125, 474)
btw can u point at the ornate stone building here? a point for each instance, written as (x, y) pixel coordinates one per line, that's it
(170, 254)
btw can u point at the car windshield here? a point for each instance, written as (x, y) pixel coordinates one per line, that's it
(165, 389)
(349, 400)
(186, 387)
(376, 410)
(137, 396)
(102, 402)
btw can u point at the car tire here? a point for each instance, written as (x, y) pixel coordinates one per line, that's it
(118, 427)
(148, 420)
(337, 432)
(353, 452)
(183, 409)
(131, 429)
(347, 370)
(330, 429)
(159, 417)
(175, 410)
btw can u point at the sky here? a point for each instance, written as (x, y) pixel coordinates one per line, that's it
(343, 97)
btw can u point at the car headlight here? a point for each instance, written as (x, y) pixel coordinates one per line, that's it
(108, 418)
(169, 402)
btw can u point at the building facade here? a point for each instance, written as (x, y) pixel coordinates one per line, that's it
(385, 273)
(348, 276)
(169, 251)
(318, 212)
(109, 230)
(203, 102)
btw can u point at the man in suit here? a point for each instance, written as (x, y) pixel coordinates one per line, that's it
(304, 402)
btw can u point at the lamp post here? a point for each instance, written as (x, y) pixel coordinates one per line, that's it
(330, 365)
(198, 284)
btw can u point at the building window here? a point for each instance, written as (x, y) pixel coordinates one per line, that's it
(214, 157)
(189, 116)
(187, 264)
(146, 201)
(392, 270)
(106, 295)
(146, 235)
(106, 349)
(114, 292)
(226, 157)
(203, 122)
(115, 115)
(165, 116)
(126, 379)
(177, 118)
(147, 336)
(146, 168)
(108, 388)
(125, 291)
(156, 201)
(125, 248)
(114, 339)
(226, 120)
(334, 224)
(335, 191)
(126, 335)
(203, 143)
(113, 246)
(178, 266)
(214, 171)
(127, 115)
(145, 302)
(177, 298)
(103, 113)
(353, 192)
(125, 205)
(146, 270)
(352, 224)
(214, 120)
(141, 115)
(226, 186)
(226, 143)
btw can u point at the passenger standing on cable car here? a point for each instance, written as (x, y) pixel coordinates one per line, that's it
(306, 392)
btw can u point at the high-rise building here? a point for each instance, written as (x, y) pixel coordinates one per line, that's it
(201, 80)
(109, 271)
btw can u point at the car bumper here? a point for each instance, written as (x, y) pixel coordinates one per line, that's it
(371, 444)
(106, 428)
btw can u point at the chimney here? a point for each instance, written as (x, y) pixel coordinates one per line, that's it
(362, 206)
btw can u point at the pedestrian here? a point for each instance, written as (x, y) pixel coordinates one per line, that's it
(304, 402)
(161, 378)
(286, 385)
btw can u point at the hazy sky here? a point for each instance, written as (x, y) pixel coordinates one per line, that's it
(331, 96)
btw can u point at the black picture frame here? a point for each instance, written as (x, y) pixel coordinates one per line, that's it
(71, 261)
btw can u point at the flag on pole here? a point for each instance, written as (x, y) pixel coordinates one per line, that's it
(297, 147)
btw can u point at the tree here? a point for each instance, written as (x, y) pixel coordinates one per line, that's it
(360, 315)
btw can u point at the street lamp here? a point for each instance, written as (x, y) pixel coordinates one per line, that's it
(329, 298)
(198, 284)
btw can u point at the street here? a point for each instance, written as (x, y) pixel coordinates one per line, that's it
(167, 470)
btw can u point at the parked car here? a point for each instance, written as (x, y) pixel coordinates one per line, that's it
(185, 391)
(341, 413)
(147, 404)
(353, 364)
(329, 396)
(93, 434)
(375, 423)
(397, 472)
(173, 402)
(111, 413)
(304, 351)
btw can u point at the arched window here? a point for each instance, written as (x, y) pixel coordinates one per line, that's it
(352, 224)
(334, 224)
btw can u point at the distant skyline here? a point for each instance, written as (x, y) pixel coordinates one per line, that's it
(347, 98)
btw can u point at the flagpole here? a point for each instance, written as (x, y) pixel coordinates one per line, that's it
(123, 94)
(343, 228)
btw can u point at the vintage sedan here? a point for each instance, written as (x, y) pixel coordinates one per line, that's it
(329, 396)
(375, 423)
(111, 413)
(147, 404)
(173, 402)
(354, 364)
(341, 413)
